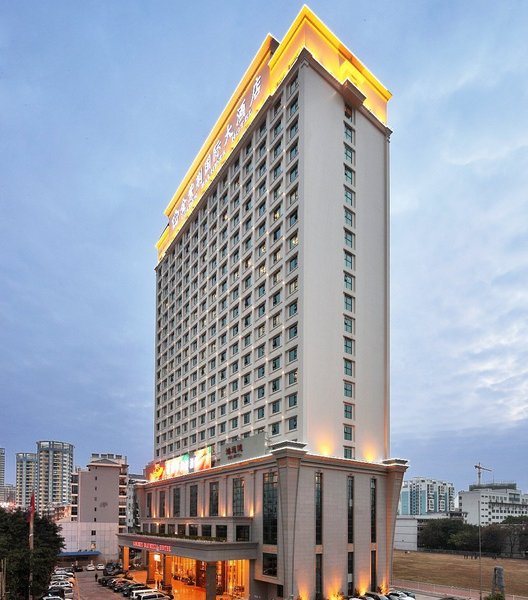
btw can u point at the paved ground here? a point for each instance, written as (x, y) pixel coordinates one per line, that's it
(88, 589)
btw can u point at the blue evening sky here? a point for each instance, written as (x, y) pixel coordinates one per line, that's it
(103, 105)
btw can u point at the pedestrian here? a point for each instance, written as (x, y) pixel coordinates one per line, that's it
(96, 577)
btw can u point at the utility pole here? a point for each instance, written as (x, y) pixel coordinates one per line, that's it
(479, 469)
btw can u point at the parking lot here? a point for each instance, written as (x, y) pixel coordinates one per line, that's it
(88, 589)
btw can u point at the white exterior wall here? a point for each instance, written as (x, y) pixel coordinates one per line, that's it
(406, 533)
(78, 536)
(322, 215)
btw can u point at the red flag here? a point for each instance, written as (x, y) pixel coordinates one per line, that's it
(31, 513)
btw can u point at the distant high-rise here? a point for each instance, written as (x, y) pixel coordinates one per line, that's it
(26, 471)
(54, 471)
(421, 496)
(2, 467)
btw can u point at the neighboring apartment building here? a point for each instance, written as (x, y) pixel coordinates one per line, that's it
(421, 496)
(98, 511)
(494, 502)
(54, 472)
(272, 358)
(26, 475)
(2, 467)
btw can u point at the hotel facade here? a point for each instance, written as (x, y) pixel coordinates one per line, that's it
(272, 474)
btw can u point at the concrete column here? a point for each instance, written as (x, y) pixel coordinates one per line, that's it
(126, 558)
(210, 581)
(151, 568)
(288, 459)
(167, 575)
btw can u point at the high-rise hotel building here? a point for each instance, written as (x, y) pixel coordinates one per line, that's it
(272, 474)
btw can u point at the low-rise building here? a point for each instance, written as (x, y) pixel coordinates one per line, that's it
(98, 510)
(490, 503)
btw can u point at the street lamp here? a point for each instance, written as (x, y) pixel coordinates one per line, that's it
(480, 551)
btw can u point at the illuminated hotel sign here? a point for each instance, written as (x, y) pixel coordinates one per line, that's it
(265, 74)
(200, 460)
(244, 113)
(149, 546)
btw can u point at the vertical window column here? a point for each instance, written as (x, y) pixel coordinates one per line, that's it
(318, 508)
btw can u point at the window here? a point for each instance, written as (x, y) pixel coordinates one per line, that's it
(275, 407)
(350, 282)
(349, 389)
(275, 385)
(292, 355)
(373, 495)
(349, 367)
(350, 176)
(350, 218)
(242, 533)
(291, 377)
(350, 155)
(193, 501)
(276, 363)
(176, 502)
(349, 346)
(348, 452)
(238, 497)
(318, 508)
(213, 499)
(350, 324)
(260, 391)
(292, 423)
(260, 412)
(350, 197)
(350, 134)
(292, 264)
(350, 239)
(292, 309)
(350, 261)
(269, 564)
(350, 509)
(275, 428)
(349, 303)
(348, 433)
(292, 400)
(269, 509)
(161, 510)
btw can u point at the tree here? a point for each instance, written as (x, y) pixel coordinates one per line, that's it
(436, 534)
(493, 539)
(465, 539)
(14, 547)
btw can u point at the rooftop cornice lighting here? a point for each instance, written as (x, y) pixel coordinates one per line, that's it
(264, 75)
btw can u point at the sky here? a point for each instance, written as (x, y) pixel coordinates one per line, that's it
(103, 106)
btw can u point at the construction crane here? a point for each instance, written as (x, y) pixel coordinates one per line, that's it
(480, 468)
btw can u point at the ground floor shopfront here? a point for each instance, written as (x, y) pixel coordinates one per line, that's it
(171, 564)
(284, 525)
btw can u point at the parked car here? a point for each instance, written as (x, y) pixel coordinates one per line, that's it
(375, 596)
(132, 588)
(139, 593)
(90, 567)
(77, 568)
(100, 567)
(55, 591)
(156, 596)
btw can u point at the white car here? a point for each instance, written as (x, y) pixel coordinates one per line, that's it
(90, 568)
(100, 567)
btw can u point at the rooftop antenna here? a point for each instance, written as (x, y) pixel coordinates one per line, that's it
(480, 468)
